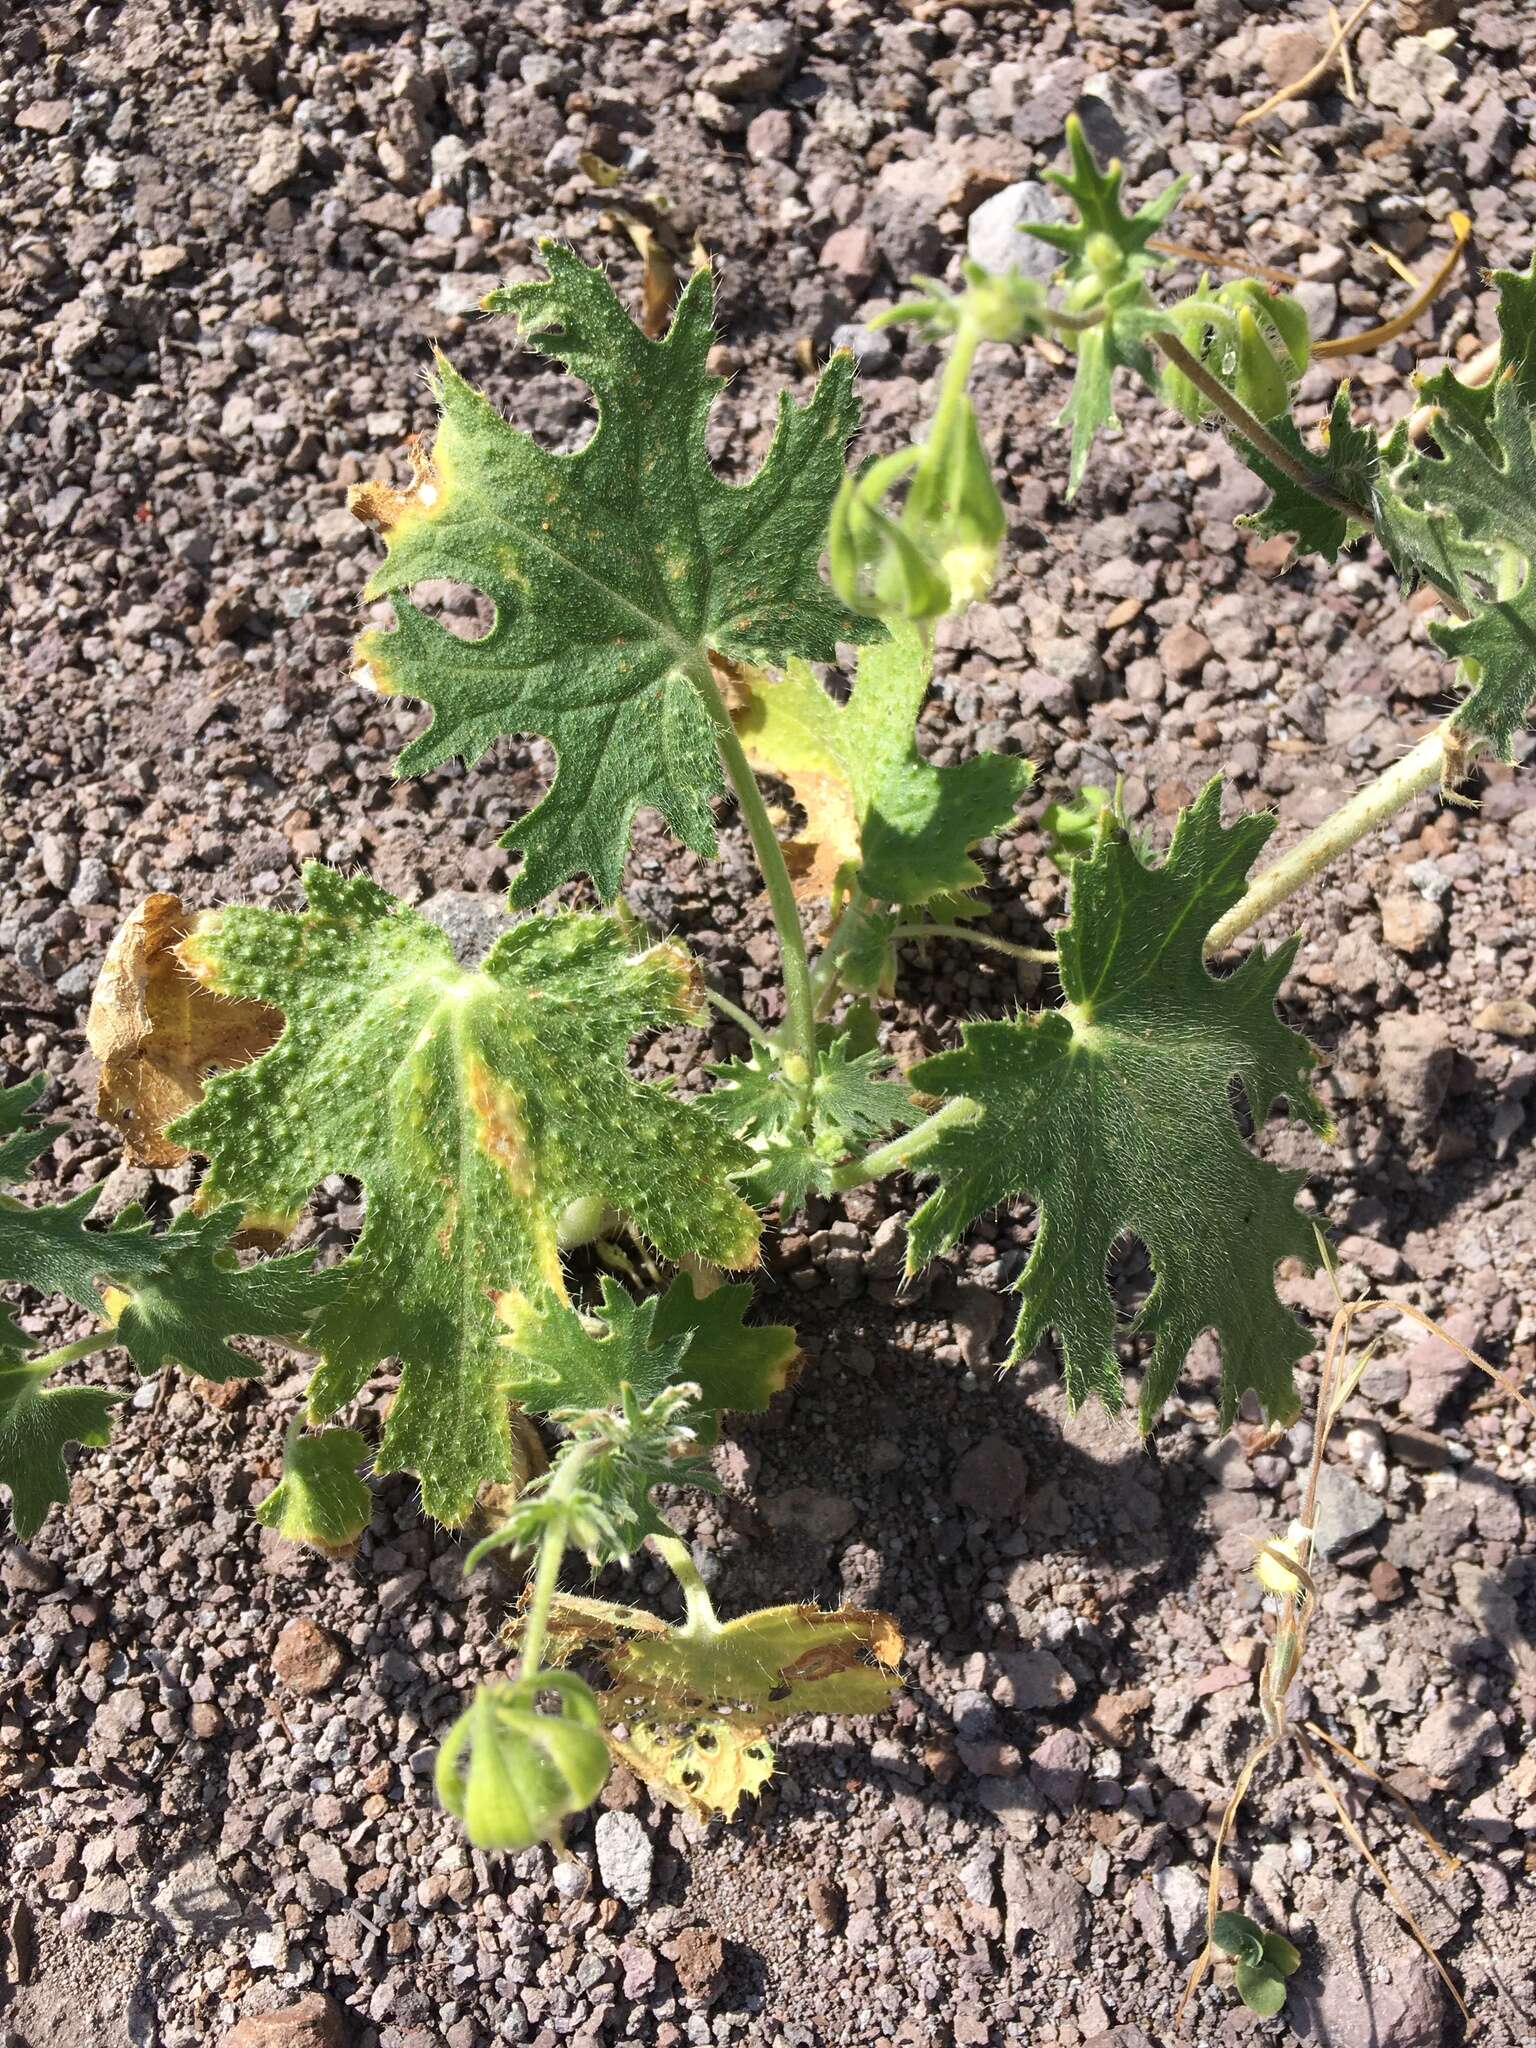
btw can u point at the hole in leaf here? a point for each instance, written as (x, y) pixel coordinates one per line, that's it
(458, 608)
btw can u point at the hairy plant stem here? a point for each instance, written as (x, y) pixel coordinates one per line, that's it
(553, 1539)
(906, 1149)
(67, 1354)
(702, 1618)
(1045, 955)
(799, 997)
(1431, 761)
(1253, 429)
(738, 1015)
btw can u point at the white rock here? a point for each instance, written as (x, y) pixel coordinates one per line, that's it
(624, 1857)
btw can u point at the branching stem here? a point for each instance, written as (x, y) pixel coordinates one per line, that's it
(702, 1618)
(1253, 429)
(1045, 956)
(68, 1354)
(1434, 759)
(799, 997)
(905, 1150)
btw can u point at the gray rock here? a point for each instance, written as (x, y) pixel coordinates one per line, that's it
(1453, 1739)
(1416, 1060)
(1048, 1904)
(991, 1480)
(994, 237)
(197, 1899)
(1345, 1511)
(473, 924)
(751, 58)
(1183, 1894)
(278, 162)
(871, 347)
(624, 1857)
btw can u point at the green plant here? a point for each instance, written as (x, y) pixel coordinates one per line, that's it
(659, 627)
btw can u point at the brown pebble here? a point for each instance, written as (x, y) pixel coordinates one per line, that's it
(307, 1658)
(826, 1902)
(1386, 1581)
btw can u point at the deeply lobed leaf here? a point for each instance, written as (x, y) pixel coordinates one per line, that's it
(36, 1422)
(474, 1105)
(614, 572)
(1112, 1113)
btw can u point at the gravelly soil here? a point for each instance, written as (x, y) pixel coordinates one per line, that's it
(231, 235)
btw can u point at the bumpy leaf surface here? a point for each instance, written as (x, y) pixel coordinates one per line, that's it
(36, 1422)
(185, 1312)
(876, 811)
(1113, 1114)
(614, 572)
(474, 1105)
(695, 1703)
(558, 1361)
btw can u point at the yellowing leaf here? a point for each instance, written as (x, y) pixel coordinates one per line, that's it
(874, 808)
(159, 1034)
(695, 1701)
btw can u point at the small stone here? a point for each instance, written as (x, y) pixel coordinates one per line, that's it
(770, 136)
(1183, 652)
(205, 1721)
(1386, 1582)
(624, 1856)
(1288, 54)
(1410, 923)
(161, 260)
(1346, 1513)
(316, 2021)
(1435, 1372)
(102, 173)
(1183, 1894)
(1032, 1680)
(853, 255)
(995, 238)
(1059, 1766)
(197, 1899)
(1049, 1904)
(1415, 1065)
(45, 117)
(827, 1902)
(698, 1956)
(279, 160)
(21, 1572)
(307, 1658)
(991, 1481)
(1507, 1017)
(823, 1517)
(1453, 1739)
(752, 58)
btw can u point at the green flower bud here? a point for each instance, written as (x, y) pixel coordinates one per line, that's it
(953, 510)
(1281, 320)
(877, 567)
(512, 1773)
(1260, 382)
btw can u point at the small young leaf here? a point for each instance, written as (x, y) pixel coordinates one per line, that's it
(853, 1102)
(183, 1312)
(36, 1422)
(1347, 466)
(875, 809)
(1281, 1956)
(1238, 1936)
(512, 1773)
(320, 1500)
(474, 1105)
(1113, 1114)
(560, 1362)
(1260, 1989)
(614, 572)
(1071, 827)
